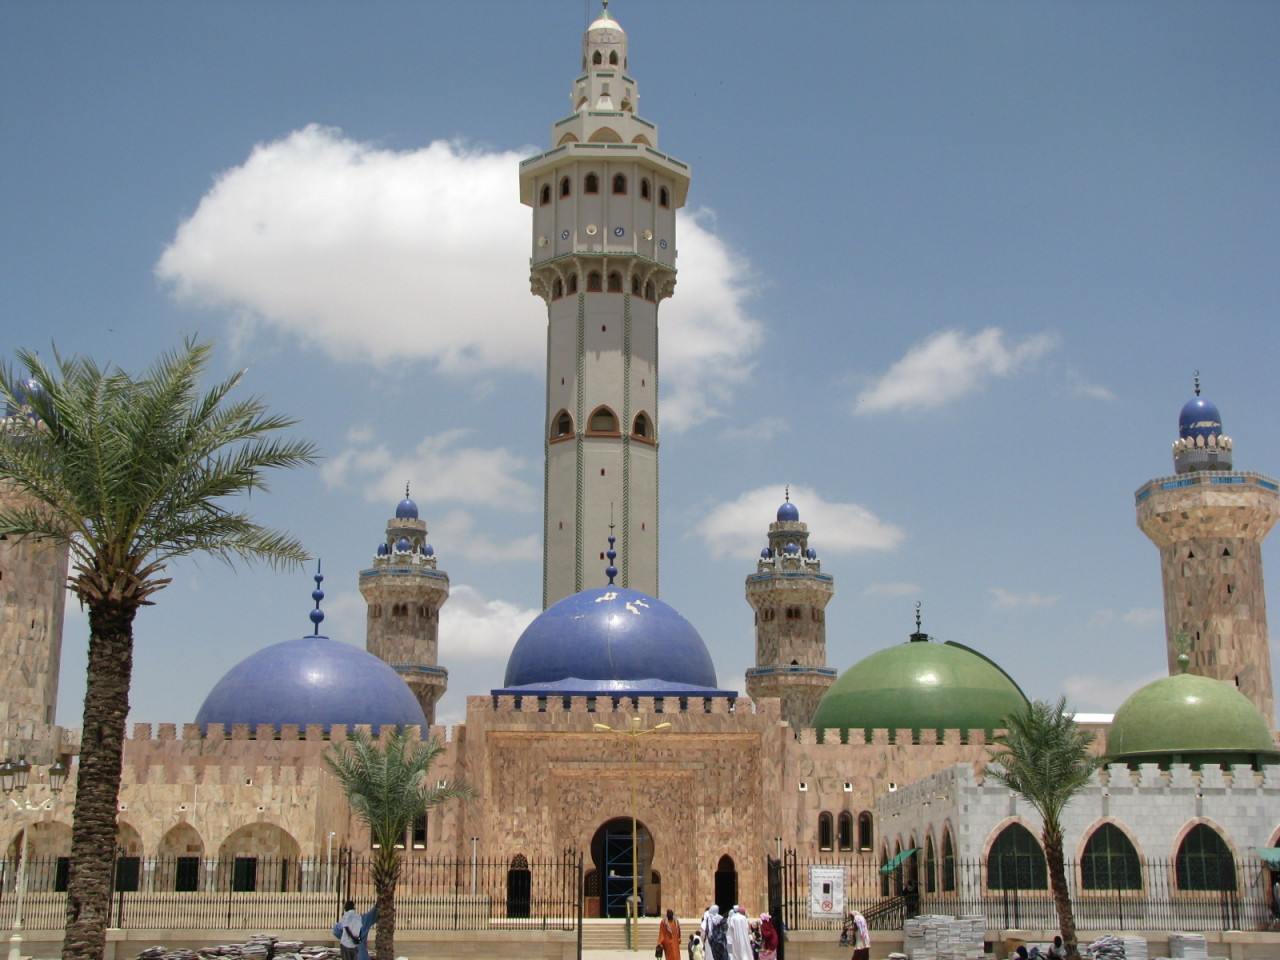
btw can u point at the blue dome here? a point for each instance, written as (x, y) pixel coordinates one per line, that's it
(787, 513)
(1199, 418)
(383, 550)
(791, 549)
(403, 545)
(311, 680)
(406, 509)
(611, 640)
(766, 553)
(428, 550)
(811, 553)
(24, 390)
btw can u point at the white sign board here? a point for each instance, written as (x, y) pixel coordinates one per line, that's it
(826, 893)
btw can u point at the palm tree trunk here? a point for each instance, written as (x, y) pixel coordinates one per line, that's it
(386, 874)
(1058, 884)
(93, 827)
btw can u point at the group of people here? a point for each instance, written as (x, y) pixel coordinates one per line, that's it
(732, 937)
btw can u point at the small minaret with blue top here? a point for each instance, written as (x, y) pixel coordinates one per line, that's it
(789, 593)
(404, 591)
(1209, 521)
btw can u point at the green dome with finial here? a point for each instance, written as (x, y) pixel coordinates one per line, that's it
(1187, 718)
(921, 685)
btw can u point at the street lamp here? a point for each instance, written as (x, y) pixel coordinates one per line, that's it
(14, 775)
(635, 731)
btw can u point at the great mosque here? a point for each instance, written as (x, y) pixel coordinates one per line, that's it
(828, 763)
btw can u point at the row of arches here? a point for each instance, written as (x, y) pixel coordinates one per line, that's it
(793, 612)
(602, 422)
(1109, 861)
(618, 185)
(598, 283)
(598, 60)
(420, 610)
(837, 833)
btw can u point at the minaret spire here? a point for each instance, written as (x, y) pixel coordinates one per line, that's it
(604, 205)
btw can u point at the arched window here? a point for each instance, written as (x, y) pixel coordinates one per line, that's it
(565, 187)
(593, 282)
(1110, 861)
(1016, 861)
(561, 425)
(591, 183)
(1204, 862)
(635, 286)
(795, 613)
(545, 194)
(603, 420)
(613, 58)
(844, 830)
(573, 284)
(519, 887)
(645, 189)
(865, 838)
(642, 427)
(648, 290)
(597, 59)
(615, 282)
(557, 289)
(766, 614)
(948, 862)
(664, 198)
(930, 866)
(824, 831)
(619, 183)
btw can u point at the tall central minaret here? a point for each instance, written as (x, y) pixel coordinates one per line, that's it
(604, 205)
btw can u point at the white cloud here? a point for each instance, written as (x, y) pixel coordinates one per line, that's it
(1088, 693)
(738, 528)
(949, 365)
(1135, 617)
(455, 533)
(381, 255)
(438, 468)
(892, 589)
(473, 628)
(1084, 388)
(1004, 600)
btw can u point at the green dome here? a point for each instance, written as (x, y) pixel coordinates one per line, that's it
(921, 685)
(1188, 719)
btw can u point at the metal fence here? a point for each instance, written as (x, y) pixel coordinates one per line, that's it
(256, 893)
(1153, 894)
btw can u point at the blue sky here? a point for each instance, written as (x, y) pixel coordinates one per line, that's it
(946, 268)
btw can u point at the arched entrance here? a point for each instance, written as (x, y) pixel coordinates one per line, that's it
(611, 855)
(726, 884)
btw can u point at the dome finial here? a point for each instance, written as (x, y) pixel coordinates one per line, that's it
(1196, 380)
(611, 571)
(786, 492)
(919, 636)
(317, 615)
(406, 489)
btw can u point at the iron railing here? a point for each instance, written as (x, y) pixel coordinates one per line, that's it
(258, 893)
(1154, 895)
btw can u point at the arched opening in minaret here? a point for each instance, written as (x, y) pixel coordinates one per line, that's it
(641, 139)
(573, 283)
(649, 290)
(603, 422)
(561, 425)
(645, 189)
(626, 106)
(664, 197)
(605, 135)
(642, 428)
(565, 187)
(635, 286)
(544, 195)
(613, 58)
(567, 138)
(557, 289)
(615, 282)
(582, 104)
(591, 183)
(594, 282)
(597, 58)
(620, 184)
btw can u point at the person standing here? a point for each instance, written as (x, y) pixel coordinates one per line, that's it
(739, 935)
(713, 933)
(861, 937)
(669, 936)
(768, 938)
(350, 922)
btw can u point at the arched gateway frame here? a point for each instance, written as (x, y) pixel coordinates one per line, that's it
(611, 855)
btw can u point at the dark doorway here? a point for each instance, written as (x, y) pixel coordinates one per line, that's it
(726, 885)
(519, 887)
(611, 854)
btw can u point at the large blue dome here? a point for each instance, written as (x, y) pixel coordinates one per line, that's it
(406, 509)
(311, 680)
(1199, 418)
(611, 640)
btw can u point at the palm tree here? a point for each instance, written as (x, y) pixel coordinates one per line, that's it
(387, 787)
(1046, 758)
(128, 473)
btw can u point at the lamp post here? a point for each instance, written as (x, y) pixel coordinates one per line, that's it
(14, 775)
(635, 730)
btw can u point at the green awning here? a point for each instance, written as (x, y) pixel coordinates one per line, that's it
(1271, 855)
(896, 862)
